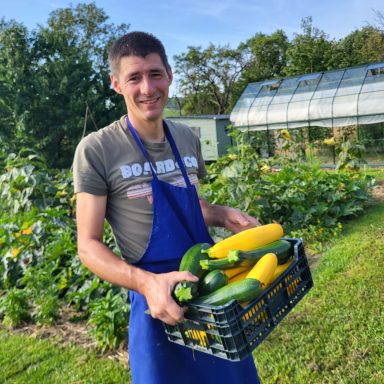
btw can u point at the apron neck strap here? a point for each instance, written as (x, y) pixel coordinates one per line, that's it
(173, 147)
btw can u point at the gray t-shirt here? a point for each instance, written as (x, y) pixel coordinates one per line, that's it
(109, 162)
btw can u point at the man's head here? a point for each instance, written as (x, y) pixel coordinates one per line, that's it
(141, 74)
(139, 44)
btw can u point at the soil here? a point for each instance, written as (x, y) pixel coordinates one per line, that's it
(71, 329)
(378, 190)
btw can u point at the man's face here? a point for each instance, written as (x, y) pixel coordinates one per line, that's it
(144, 83)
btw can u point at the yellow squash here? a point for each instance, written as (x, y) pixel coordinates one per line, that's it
(232, 272)
(264, 269)
(279, 270)
(247, 240)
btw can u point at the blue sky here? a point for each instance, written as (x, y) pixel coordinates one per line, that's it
(182, 23)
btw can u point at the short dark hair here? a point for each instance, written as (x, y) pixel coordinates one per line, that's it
(138, 44)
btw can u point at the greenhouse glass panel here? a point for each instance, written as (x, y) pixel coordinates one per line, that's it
(240, 111)
(330, 99)
(258, 112)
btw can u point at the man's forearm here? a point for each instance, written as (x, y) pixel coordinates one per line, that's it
(156, 288)
(99, 259)
(213, 214)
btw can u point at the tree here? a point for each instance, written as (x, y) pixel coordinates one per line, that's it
(310, 51)
(15, 79)
(267, 59)
(361, 46)
(66, 63)
(208, 77)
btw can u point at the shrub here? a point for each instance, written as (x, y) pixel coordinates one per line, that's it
(14, 307)
(308, 201)
(109, 318)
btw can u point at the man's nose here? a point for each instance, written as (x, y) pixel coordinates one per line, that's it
(147, 86)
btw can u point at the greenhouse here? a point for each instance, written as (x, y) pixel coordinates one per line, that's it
(337, 98)
(342, 102)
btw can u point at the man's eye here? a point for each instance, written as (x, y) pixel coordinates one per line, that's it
(133, 79)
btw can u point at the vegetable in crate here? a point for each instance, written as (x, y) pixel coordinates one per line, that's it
(190, 262)
(241, 276)
(247, 289)
(264, 269)
(281, 248)
(212, 281)
(232, 272)
(243, 290)
(280, 269)
(247, 240)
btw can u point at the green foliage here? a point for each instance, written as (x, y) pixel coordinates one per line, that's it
(39, 267)
(310, 51)
(350, 155)
(14, 307)
(49, 78)
(242, 162)
(267, 59)
(361, 46)
(208, 77)
(308, 201)
(47, 307)
(109, 317)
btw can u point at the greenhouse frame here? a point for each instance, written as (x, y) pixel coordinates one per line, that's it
(339, 98)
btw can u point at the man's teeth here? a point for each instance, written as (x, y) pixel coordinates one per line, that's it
(153, 101)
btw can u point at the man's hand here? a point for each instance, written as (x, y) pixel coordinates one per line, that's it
(157, 290)
(230, 218)
(236, 221)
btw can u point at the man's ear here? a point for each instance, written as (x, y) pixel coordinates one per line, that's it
(170, 74)
(115, 83)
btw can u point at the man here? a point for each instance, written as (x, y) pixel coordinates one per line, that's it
(141, 174)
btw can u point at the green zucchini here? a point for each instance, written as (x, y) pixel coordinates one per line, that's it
(190, 262)
(281, 248)
(242, 291)
(212, 281)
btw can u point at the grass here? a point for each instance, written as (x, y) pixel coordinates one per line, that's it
(24, 359)
(378, 173)
(336, 334)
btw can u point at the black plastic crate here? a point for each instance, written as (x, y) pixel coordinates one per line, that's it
(231, 331)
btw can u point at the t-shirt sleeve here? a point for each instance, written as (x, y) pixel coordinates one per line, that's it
(202, 171)
(89, 173)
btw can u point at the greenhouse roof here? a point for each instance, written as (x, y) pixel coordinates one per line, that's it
(337, 98)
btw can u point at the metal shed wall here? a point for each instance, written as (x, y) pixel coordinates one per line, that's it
(211, 130)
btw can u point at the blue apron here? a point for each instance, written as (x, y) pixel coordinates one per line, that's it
(178, 224)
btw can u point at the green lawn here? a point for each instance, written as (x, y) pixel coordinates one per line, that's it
(334, 335)
(25, 359)
(378, 173)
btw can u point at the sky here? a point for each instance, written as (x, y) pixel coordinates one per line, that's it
(183, 23)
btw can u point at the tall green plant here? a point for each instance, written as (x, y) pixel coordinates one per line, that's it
(307, 200)
(109, 318)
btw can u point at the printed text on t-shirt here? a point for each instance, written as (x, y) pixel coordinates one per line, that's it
(163, 166)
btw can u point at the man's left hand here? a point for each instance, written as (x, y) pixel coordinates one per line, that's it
(237, 221)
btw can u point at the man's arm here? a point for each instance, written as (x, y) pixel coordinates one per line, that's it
(97, 257)
(230, 218)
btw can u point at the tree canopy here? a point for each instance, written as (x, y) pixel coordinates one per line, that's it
(54, 80)
(264, 57)
(51, 76)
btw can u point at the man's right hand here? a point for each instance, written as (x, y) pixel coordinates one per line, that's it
(158, 289)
